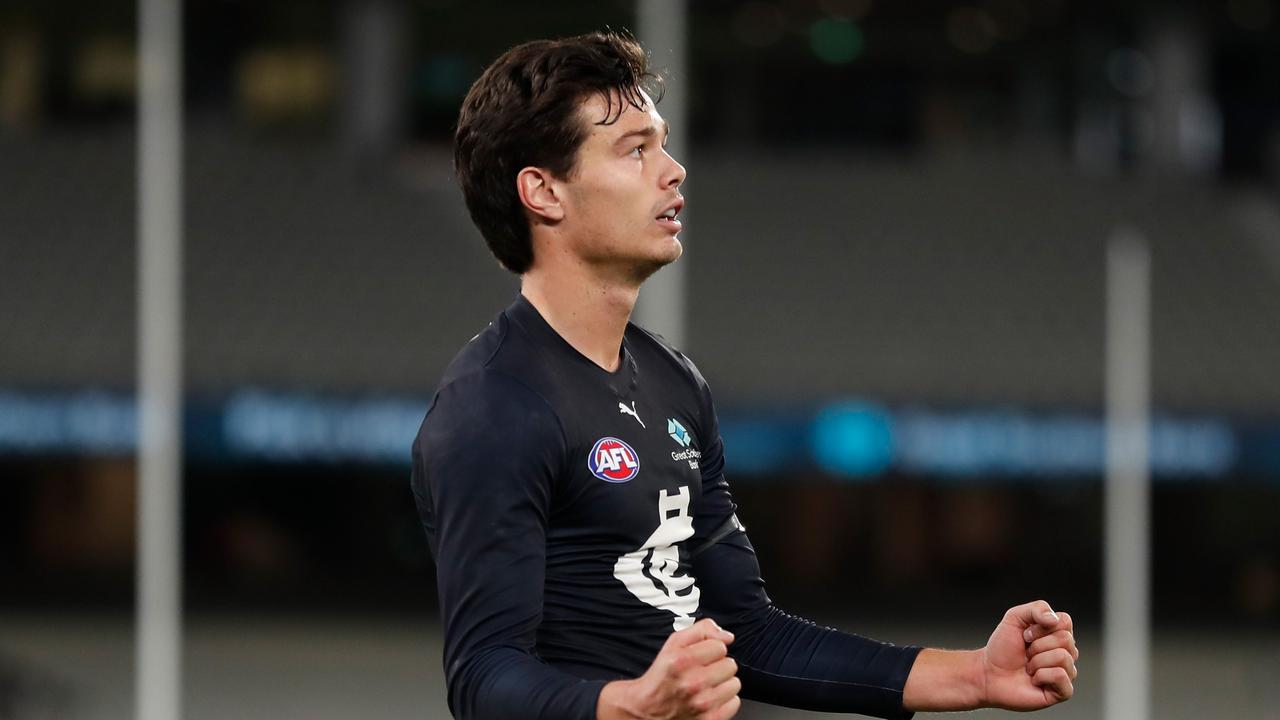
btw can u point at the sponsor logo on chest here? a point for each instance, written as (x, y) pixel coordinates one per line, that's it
(684, 440)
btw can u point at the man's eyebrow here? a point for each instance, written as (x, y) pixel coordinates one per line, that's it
(646, 131)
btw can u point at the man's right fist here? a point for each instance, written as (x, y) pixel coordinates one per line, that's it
(692, 678)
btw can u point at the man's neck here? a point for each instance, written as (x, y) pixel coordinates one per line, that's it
(591, 314)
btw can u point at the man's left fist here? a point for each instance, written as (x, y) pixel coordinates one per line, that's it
(1030, 661)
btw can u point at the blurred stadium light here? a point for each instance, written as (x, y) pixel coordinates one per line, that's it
(845, 439)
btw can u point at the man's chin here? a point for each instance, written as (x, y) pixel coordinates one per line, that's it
(676, 251)
(648, 267)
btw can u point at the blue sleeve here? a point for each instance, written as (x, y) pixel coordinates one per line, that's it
(782, 659)
(484, 465)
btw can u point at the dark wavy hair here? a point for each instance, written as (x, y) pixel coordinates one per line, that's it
(523, 111)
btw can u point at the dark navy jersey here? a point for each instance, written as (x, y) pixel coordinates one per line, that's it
(578, 517)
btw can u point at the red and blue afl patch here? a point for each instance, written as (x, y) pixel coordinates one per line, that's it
(613, 461)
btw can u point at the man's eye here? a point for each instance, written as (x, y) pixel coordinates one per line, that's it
(637, 150)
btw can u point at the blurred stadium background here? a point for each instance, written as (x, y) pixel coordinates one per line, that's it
(896, 271)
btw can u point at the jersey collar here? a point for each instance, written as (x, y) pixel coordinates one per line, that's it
(621, 381)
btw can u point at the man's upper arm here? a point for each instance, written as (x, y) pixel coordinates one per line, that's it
(485, 462)
(724, 561)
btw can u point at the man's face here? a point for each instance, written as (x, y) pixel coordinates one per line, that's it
(623, 183)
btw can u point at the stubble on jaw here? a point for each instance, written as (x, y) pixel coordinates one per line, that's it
(631, 272)
(624, 264)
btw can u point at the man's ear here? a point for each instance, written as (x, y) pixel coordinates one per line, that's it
(539, 193)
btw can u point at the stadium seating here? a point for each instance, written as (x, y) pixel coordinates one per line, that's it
(813, 274)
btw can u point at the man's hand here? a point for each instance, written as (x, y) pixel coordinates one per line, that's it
(1028, 664)
(1030, 661)
(691, 679)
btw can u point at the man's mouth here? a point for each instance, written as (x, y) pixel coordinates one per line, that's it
(668, 220)
(668, 217)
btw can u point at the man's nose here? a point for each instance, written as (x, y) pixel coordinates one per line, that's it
(676, 174)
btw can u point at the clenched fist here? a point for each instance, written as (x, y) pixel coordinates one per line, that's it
(692, 678)
(1028, 664)
(1030, 660)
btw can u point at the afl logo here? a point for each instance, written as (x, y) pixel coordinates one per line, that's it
(613, 461)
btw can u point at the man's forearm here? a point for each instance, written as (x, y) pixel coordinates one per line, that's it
(943, 680)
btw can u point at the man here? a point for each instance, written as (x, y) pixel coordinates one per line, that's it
(569, 473)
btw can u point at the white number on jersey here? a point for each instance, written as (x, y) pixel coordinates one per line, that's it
(651, 572)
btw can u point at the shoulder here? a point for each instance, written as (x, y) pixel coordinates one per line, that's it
(482, 395)
(668, 353)
(480, 350)
(487, 435)
(488, 402)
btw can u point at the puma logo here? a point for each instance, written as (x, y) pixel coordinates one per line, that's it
(622, 408)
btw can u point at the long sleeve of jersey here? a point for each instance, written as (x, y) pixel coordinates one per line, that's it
(783, 659)
(484, 502)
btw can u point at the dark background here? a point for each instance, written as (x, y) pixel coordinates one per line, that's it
(895, 207)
